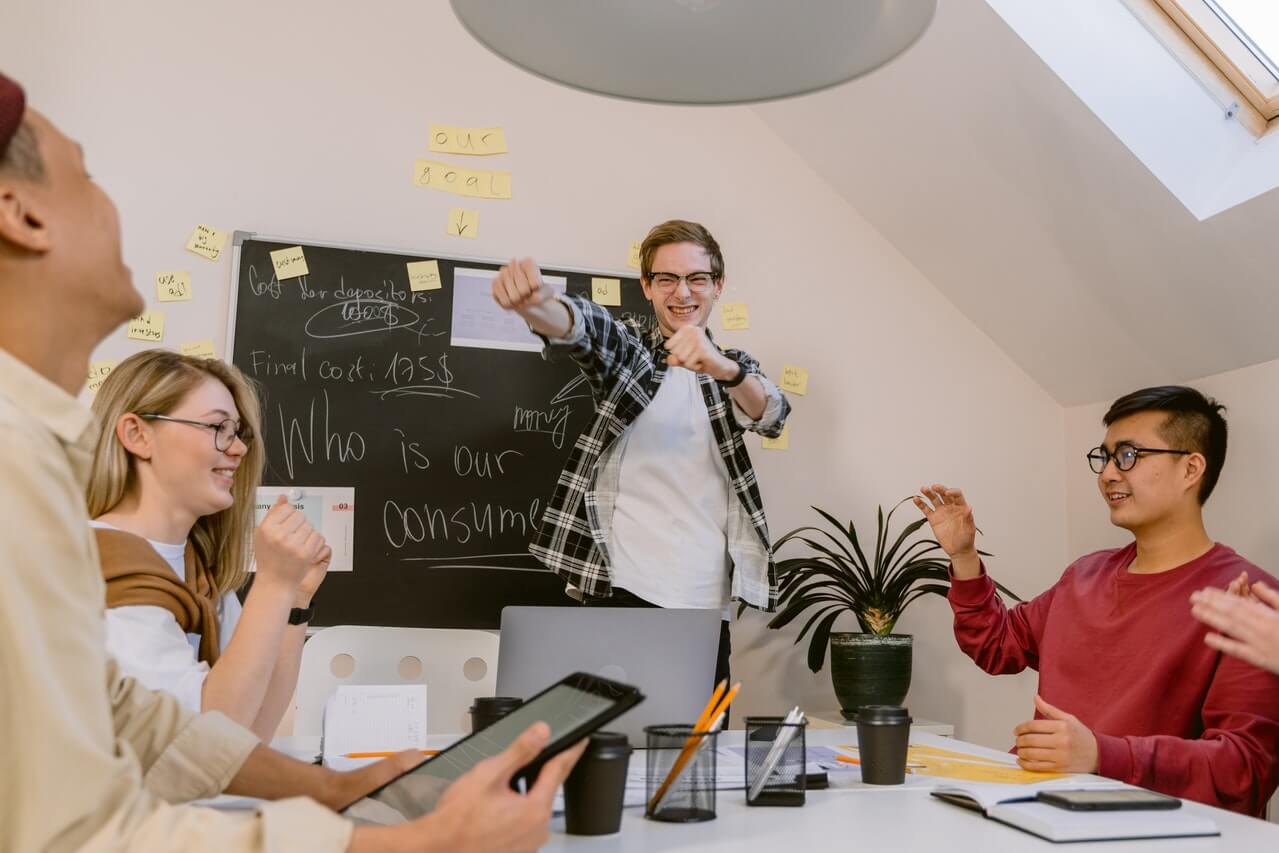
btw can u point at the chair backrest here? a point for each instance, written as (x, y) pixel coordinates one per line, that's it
(455, 665)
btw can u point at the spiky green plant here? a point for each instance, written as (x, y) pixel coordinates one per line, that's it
(835, 577)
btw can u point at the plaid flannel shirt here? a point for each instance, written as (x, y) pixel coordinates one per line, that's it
(625, 367)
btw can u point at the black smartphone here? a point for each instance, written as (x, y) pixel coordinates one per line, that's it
(1108, 800)
(573, 708)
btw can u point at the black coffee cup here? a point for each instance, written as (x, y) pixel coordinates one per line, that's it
(487, 710)
(594, 791)
(883, 736)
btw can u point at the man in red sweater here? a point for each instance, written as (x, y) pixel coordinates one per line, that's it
(1127, 687)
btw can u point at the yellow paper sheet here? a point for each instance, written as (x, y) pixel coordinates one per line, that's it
(463, 223)
(474, 183)
(447, 139)
(173, 286)
(606, 291)
(199, 349)
(919, 753)
(148, 327)
(782, 442)
(973, 772)
(289, 263)
(424, 275)
(794, 379)
(207, 242)
(634, 260)
(98, 373)
(734, 316)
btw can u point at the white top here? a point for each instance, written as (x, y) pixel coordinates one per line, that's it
(668, 543)
(151, 646)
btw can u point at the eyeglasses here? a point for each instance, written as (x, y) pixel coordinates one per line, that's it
(224, 432)
(698, 282)
(1125, 456)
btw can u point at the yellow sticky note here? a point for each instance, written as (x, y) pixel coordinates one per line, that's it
(424, 275)
(606, 291)
(173, 286)
(734, 317)
(98, 373)
(782, 442)
(289, 263)
(476, 183)
(207, 242)
(199, 349)
(794, 379)
(634, 260)
(149, 327)
(463, 223)
(447, 139)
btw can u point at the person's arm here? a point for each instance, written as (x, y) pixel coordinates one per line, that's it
(758, 404)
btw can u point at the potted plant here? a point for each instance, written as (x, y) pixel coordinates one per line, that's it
(871, 667)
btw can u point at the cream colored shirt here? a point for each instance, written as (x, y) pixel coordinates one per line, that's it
(89, 759)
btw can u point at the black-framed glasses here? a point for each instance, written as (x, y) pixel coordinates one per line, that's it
(1125, 456)
(698, 282)
(224, 432)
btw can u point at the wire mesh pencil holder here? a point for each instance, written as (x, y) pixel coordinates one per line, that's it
(778, 749)
(681, 774)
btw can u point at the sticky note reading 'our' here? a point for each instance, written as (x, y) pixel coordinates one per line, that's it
(606, 291)
(447, 139)
(289, 263)
(174, 286)
(782, 442)
(149, 327)
(207, 242)
(463, 223)
(98, 373)
(794, 379)
(424, 275)
(475, 183)
(634, 260)
(734, 316)
(199, 349)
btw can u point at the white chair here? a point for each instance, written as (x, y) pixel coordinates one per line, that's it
(455, 665)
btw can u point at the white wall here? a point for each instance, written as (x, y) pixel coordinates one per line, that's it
(290, 118)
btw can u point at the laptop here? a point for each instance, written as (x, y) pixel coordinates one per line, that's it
(668, 654)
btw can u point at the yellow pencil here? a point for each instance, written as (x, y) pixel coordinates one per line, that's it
(386, 754)
(690, 745)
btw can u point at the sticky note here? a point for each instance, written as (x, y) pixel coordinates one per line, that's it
(199, 349)
(424, 275)
(447, 139)
(734, 317)
(463, 223)
(289, 263)
(207, 242)
(606, 291)
(634, 260)
(98, 373)
(794, 379)
(173, 286)
(782, 442)
(475, 183)
(148, 327)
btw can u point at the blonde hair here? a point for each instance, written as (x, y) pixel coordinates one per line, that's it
(156, 381)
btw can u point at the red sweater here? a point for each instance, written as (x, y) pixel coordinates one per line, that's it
(1121, 652)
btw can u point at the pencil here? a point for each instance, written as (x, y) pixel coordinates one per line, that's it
(386, 754)
(702, 726)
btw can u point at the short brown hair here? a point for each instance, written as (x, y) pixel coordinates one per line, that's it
(22, 158)
(680, 231)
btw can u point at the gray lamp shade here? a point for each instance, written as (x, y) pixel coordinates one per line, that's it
(697, 51)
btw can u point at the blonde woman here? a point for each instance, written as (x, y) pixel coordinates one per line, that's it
(171, 496)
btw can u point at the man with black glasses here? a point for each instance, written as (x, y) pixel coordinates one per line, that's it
(1127, 687)
(658, 504)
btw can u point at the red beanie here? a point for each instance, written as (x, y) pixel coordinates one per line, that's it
(12, 105)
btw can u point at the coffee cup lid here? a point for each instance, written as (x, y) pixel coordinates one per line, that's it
(608, 743)
(883, 715)
(506, 702)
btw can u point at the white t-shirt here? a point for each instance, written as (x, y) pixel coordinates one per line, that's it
(668, 543)
(151, 646)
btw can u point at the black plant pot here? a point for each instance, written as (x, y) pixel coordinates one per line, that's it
(869, 669)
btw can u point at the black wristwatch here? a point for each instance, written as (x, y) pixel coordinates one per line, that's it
(301, 615)
(738, 379)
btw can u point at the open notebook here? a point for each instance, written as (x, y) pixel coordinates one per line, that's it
(1016, 806)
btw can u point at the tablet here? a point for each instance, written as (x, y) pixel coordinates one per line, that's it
(573, 708)
(1108, 800)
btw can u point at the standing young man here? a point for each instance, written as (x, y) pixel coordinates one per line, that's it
(658, 504)
(1135, 693)
(93, 760)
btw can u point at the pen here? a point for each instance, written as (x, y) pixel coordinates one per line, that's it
(386, 754)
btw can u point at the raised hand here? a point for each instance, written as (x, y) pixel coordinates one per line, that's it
(1247, 628)
(286, 547)
(951, 519)
(691, 349)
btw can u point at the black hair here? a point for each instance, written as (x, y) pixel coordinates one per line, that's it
(1193, 422)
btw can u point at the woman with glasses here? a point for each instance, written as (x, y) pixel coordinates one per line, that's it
(171, 496)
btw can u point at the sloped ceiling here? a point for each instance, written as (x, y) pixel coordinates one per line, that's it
(986, 171)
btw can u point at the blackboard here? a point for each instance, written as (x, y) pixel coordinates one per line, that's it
(453, 451)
